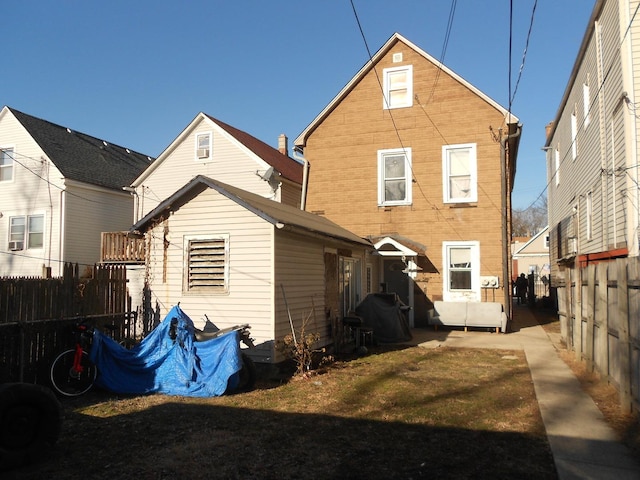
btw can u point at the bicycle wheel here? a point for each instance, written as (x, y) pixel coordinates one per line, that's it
(69, 382)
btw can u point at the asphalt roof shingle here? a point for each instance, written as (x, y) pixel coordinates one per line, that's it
(84, 158)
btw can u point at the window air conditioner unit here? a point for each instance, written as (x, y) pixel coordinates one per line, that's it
(13, 246)
(203, 153)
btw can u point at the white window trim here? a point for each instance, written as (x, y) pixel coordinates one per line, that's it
(557, 164)
(13, 163)
(574, 134)
(407, 179)
(473, 168)
(197, 152)
(586, 99)
(27, 233)
(386, 101)
(212, 290)
(465, 295)
(589, 219)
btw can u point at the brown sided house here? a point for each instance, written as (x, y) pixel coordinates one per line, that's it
(417, 159)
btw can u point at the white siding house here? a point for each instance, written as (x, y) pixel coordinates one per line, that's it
(592, 146)
(213, 148)
(59, 189)
(237, 257)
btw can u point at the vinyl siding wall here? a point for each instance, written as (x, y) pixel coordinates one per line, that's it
(602, 151)
(89, 211)
(631, 62)
(35, 190)
(300, 272)
(230, 164)
(250, 295)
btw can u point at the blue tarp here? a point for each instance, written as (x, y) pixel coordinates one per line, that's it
(174, 366)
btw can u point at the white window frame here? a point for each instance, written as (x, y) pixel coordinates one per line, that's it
(187, 287)
(199, 147)
(557, 164)
(472, 293)
(388, 88)
(350, 283)
(574, 134)
(28, 235)
(7, 152)
(473, 173)
(586, 99)
(589, 215)
(382, 155)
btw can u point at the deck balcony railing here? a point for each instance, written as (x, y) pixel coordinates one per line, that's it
(118, 247)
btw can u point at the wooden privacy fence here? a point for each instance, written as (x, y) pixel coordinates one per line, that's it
(36, 316)
(599, 310)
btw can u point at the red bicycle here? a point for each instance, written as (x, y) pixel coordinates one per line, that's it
(72, 373)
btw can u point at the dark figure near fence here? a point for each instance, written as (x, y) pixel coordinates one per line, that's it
(522, 284)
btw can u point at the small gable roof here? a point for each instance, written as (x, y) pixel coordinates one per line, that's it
(523, 249)
(301, 140)
(288, 167)
(84, 158)
(283, 217)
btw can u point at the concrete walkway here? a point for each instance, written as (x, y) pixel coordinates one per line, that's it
(583, 445)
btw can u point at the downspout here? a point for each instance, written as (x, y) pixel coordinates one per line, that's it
(297, 154)
(506, 250)
(61, 235)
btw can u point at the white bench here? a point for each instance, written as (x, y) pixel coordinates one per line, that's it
(468, 314)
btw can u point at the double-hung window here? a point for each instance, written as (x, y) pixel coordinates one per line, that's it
(459, 173)
(574, 134)
(394, 177)
(586, 103)
(462, 270)
(26, 232)
(204, 146)
(556, 157)
(207, 264)
(6, 164)
(398, 87)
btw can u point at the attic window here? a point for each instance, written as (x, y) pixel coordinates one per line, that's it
(6, 164)
(207, 264)
(398, 87)
(203, 146)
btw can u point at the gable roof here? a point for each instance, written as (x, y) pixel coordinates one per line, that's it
(84, 158)
(526, 246)
(283, 217)
(288, 167)
(301, 140)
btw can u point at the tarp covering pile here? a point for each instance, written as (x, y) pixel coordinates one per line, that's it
(382, 312)
(169, 361)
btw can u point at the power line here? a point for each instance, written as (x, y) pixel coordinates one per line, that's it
(452, 12)
(524, 54)
(12, 155)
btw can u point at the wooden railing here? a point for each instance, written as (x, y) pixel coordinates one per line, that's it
(120, 248)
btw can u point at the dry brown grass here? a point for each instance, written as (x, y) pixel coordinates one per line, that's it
(396, 413)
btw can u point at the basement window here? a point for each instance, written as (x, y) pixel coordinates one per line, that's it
(207, 264)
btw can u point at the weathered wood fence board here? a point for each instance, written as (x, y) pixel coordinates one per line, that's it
(599, 310)
(36, 315)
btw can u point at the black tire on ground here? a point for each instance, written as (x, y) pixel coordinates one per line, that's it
(248, 374)
(30, 423)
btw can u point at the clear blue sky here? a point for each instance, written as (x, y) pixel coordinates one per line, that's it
(136, 73)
